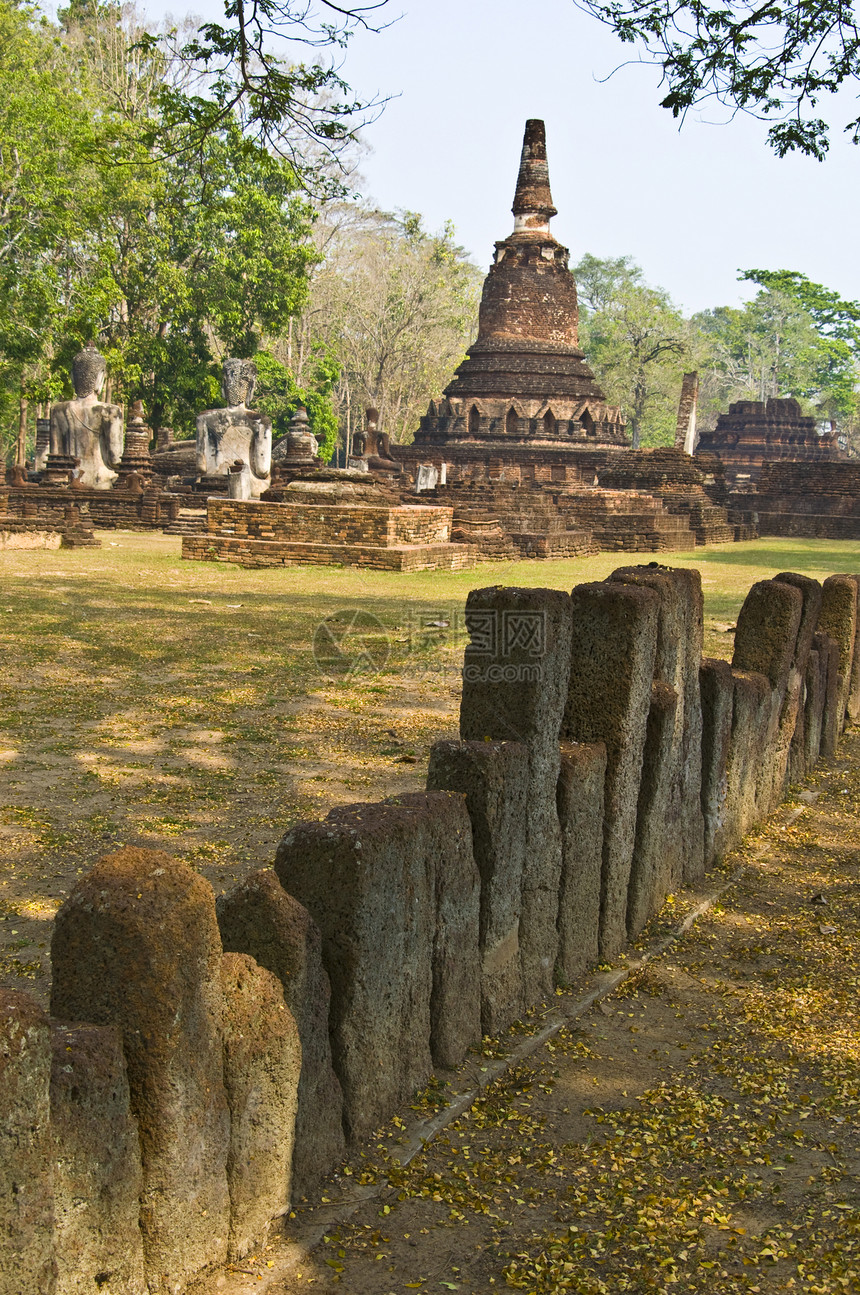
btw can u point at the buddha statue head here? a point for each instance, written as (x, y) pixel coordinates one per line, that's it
(89, 370)
(238, 379)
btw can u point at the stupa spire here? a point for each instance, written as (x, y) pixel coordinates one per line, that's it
(533, 206)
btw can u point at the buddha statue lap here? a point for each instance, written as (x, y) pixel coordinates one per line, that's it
(85, 428)
(236, 432)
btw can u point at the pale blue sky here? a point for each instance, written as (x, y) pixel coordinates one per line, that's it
(691, 206)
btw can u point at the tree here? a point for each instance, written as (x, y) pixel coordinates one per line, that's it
(169, 259)
(634, 339)
(795, 338)
(837, 350)
(395, 305)
(773, 60)
(278, 395)
(298, 110)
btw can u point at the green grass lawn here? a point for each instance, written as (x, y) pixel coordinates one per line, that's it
(201, 708)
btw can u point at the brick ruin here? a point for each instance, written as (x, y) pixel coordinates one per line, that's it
(203, 1064)
(522, 443)
(755, 433)
(525, 385)
(819, 500)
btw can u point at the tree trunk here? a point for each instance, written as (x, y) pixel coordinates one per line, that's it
(21, 457)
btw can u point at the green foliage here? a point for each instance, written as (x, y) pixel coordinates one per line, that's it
(636, 342)
(775, 61)
(302, 111)
(795, 338)
(396, 306)
(279, 396)
(167, 258)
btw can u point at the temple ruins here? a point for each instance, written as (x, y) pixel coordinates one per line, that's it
(524, 400)
(238, 1047)
(756, 432)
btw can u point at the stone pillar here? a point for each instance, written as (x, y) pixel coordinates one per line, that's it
(752, 710)
(609, 697)
(371, 893)
(443, 837)
(136, 945)
(838, 619)
(514, 687)
(581, 782)
(790, 762)
(717, 692)
(685, 430)
(493, 776)
(766, 642)
(854, 690)
(259, 918)
(239, 481)
(97, 1170)
(813, 707)
(680, 632)
(262, 1062)
(27, 1264)
(828, 657)
(657, 865)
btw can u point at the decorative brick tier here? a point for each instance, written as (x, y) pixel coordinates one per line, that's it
(681, 482)
(808, 500)
(68, 527)
(563, 519)
(108, 509)
(397, 538)
(756, 433)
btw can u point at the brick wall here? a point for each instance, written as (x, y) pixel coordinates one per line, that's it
(338, 524)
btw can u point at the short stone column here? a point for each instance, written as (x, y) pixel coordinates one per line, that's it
(680, 631)
(515, 678)
(581, 781)
(259, 918)
(838, 619)
(766, 643)
(609, 697)
(831, 707)
(752, 716)
(136, 945)
(97, 1170)
(493, 776)
(262, 1062)
(657, 865)
(793, 767)
(717, 693)
(27, 1264)
(372, 895)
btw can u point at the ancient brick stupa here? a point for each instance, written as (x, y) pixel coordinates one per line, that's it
(755, 432)
(525, 392)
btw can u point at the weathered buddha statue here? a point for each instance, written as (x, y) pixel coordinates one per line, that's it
(378, 451)
(85, 428)
(236, 432)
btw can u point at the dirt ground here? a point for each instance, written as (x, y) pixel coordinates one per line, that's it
(698, 1130)
(203, 709)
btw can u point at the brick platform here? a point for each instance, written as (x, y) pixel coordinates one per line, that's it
(807, 500)
(258, 534)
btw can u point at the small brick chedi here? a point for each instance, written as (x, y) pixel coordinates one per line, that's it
(525, 394)
(755, 432)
